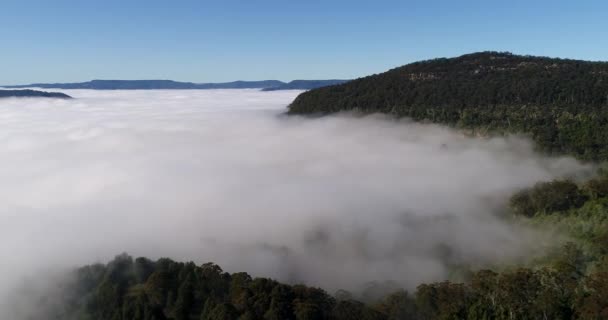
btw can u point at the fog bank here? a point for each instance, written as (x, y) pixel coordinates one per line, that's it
(220, 175)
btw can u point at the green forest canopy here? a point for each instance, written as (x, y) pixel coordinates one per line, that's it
(571, 283)
(562, 104)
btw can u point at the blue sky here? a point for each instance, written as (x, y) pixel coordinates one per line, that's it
(210, 41)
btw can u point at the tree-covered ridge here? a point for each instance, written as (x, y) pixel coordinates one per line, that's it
(562, 104)
(133, 289)
(141, 289)
(568, 283)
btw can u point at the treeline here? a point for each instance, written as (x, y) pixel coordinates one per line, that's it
(561, 104)
(141, 289)
(560, 292)
(568, 283)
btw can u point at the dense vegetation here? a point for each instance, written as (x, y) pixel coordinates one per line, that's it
(561, 104)
(548, 197)
(32, 94)
(569, 283)
(139, 289)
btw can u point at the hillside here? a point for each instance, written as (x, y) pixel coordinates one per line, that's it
(32, 94)
(562, 104)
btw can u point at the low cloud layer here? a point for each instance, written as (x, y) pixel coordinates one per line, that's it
(222, 176)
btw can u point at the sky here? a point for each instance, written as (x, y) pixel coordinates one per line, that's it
(213, 41)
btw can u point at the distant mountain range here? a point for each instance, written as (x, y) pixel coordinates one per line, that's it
(169, 84)
(305, 84)
(32, 94)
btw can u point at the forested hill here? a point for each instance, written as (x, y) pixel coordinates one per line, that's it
(562, 104)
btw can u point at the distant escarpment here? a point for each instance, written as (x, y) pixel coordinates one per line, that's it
(152, 85)
(562, 104)
(32, 94)
(266, 85)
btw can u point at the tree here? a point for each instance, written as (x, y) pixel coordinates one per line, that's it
(484, 300)
(185, 297)
(517, 293)
(522, 204)
(593, 303)
(398, 306)
(558, 195)
(548, 197)
(280, 304)
(597, 188)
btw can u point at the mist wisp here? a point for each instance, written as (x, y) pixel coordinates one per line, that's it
(220, 175)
